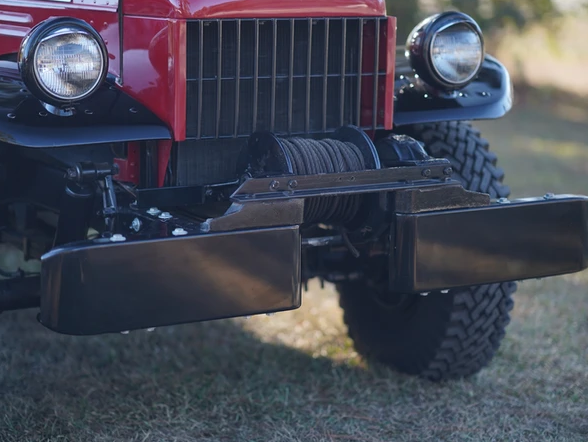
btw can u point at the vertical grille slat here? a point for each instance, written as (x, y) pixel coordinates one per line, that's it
(308, 74)
(343, 54)
(359, 74)
(237, 79)
(326, 74)
(255, 75)
(376, 76)
(219, 81)
(200, 75)
(274, 74)
(289, 75)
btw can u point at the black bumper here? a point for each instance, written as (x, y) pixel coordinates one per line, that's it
(249, 261)
(113, 287)
(505, 242)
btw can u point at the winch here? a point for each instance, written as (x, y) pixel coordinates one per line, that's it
(348, 150)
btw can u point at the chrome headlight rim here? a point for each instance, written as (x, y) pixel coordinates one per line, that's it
(44, 31)
(419, 48)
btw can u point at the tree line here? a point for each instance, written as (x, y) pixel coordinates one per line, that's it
(492, 15)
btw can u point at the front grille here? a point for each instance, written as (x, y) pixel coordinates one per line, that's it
(289, 76)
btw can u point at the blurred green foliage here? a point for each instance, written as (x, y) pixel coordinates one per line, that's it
(492, 15)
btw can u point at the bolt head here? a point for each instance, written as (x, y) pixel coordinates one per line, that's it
(448, 171)
(270, 314)
(293, 184)
(426, 173)
(152, 329)
(126, 332)
(549, 196)
(165, 215)
(136, 224)
(275, 185)
(154, 211)
(425, 294)
(503, 201)
(444, 291)
(179, 232)
(117, 237)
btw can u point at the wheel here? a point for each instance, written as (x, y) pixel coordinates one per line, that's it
(443, 335)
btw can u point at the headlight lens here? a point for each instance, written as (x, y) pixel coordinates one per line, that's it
(456, 54)
(68, 64)
(63, 60)
(446, 50)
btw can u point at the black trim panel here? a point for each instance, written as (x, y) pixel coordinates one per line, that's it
(489, 96)
(108, 116)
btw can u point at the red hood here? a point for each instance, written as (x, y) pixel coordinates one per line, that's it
(253, 8)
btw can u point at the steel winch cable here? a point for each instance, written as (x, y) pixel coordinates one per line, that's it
(311, 157)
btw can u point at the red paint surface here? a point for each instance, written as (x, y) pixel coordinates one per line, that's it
(154, 68)
(254, 8)
(388, 54)
(164, 148)
(17, 17)
(129, 167)
(386, 63)
(177, 75)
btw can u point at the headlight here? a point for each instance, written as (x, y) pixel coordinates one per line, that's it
(446, 50)
(63, 60)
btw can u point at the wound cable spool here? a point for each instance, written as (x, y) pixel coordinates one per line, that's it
(349, 149)
(311, 157)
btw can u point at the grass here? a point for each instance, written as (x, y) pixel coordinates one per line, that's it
(295, 376)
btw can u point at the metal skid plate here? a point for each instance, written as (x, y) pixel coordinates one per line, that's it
(111, 287)
(530, 238)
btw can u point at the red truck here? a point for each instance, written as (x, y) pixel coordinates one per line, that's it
(168, 162)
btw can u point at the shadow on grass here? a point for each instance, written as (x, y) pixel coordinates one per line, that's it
(216, 381)
(210, 381)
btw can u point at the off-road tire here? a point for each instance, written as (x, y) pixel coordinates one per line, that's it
(443, 335)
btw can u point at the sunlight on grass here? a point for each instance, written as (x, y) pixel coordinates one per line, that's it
(316, 329)
(576, 154)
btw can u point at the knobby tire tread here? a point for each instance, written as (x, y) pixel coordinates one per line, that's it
(442, 336)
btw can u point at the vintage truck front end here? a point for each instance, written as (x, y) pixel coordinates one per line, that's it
(172, 162)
